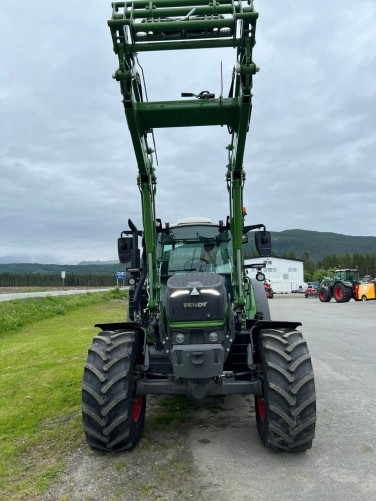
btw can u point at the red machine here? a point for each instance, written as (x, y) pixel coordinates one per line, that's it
(268, 290)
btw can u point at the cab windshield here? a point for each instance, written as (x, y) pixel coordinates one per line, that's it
(190, 248)
(351, 275)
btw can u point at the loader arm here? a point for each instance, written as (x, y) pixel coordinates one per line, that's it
(139, 26)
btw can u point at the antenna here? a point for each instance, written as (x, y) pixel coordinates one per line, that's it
(221, 94)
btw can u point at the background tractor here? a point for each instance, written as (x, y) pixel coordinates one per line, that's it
(341, 287)
(197, 324)
(268, 290)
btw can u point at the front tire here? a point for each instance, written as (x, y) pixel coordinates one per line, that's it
(113, 417)
(286, 412)
(324, 295)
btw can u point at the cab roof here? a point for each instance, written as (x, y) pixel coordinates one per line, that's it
(192, 220)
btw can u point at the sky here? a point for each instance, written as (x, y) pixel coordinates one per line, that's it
(67, 166)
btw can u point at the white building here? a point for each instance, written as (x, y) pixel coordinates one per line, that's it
(284, 275)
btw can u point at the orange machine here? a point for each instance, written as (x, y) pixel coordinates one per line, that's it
(364, 292)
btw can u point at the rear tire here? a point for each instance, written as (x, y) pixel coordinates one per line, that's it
(341, 293)
(286, 412)
(113, 417)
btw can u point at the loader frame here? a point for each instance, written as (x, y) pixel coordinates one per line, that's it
(191, 25)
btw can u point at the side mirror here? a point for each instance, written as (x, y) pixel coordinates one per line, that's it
(125, 249)
(263, 242)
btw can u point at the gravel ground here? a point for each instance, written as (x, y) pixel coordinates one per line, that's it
(216, 455)
(161, 467)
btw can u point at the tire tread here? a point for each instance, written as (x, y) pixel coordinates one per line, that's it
(289, 391)
(107, 392)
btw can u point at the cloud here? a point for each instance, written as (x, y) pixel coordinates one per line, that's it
(68, 171)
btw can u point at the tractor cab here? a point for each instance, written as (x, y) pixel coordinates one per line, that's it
(348, 275)
(194, 245)
(194, 255)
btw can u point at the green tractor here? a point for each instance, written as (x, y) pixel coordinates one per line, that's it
(197, 325)
(341, 286)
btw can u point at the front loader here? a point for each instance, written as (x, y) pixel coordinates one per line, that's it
(197, 325)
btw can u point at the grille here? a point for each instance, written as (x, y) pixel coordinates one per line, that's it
(200, 306)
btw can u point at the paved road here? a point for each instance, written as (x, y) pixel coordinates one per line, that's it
(342, 463)
(25, 295)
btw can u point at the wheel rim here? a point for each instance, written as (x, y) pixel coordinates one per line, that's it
(137, 408)
(321, 295)
(364, 298)
(261, 408)
(339, 293)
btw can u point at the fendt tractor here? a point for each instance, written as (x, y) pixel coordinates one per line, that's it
(342, 286)
(197, 324)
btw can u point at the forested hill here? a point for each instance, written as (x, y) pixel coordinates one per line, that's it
(79, 269)
(289, 242)
(318, 244)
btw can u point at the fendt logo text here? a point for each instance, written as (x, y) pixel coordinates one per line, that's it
(195, 305)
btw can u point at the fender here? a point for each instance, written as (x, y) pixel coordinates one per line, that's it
(271, 324)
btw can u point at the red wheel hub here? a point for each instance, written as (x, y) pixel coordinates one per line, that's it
(137, 408)
(261, 408)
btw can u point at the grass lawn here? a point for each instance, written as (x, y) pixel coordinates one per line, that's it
(41, 368)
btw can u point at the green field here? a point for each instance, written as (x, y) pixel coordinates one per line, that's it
(44, 342)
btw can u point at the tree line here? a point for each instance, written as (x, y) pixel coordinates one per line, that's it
(365, 263)
(313, 271)
(55, 280)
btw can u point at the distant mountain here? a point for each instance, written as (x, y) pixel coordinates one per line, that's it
(44, 259)
(320, 244)
(95, 263)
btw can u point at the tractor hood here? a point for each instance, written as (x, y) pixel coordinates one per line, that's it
(195, 297)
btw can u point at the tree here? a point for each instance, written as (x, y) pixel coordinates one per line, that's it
(309, 265)
(319, 274)
(289, 255)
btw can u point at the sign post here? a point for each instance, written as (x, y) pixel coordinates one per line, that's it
(120, 275)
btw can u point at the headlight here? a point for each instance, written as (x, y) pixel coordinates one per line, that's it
(214, 292)
(180, 338)
(213, 336)
(179, 293)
